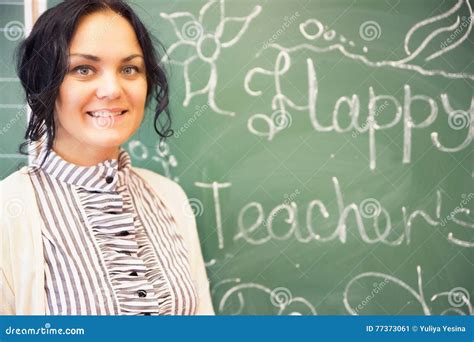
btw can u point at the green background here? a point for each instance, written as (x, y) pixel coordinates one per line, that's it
(12, 104)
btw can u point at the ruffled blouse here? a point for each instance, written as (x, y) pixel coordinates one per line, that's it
(110, 244)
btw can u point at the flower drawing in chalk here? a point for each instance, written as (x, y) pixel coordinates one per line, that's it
(205, 43)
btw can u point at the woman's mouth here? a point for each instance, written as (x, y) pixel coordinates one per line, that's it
(105, 113)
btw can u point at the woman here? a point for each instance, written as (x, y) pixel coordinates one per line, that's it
(94, 235)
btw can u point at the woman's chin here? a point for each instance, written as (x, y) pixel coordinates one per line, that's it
(108, 138)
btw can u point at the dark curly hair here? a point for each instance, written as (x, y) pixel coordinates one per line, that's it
(43, 59)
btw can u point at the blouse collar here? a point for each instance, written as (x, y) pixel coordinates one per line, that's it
(104, 176)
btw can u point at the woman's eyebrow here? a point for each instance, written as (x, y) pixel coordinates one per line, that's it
(97, 59)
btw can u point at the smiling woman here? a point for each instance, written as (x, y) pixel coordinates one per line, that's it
(96, 236)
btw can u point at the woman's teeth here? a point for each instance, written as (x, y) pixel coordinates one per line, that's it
(105, 113)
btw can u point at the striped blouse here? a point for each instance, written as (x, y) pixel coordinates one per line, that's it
(111, 247)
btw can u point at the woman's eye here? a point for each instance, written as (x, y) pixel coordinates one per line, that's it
(130, 70)
(83, 70)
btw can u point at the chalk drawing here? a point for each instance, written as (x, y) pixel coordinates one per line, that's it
(238, 290)
(417, 294)
(192, 35)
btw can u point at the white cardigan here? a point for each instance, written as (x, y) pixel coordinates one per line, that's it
(22, 262)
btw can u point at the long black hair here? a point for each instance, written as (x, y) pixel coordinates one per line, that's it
(43, 59)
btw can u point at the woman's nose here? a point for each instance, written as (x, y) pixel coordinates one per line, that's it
(109, 86)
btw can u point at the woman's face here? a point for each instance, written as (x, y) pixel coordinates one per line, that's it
(101, 100)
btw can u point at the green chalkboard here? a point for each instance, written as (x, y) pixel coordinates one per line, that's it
(13, 111)
(305, 205)
(326, 148)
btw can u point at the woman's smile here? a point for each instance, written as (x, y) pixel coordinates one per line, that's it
(107, 119)
(107, 112)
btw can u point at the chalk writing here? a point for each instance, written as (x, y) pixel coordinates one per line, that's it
(304, 233)
(458, 118)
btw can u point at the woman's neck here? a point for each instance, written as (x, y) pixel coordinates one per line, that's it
(84, 155)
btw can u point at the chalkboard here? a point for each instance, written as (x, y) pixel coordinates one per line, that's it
(13, 110)
(326, 148)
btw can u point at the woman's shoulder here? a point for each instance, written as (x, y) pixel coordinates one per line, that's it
(14, 184)
(16, 198)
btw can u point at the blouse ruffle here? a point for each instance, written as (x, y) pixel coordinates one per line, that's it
(124, 247)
